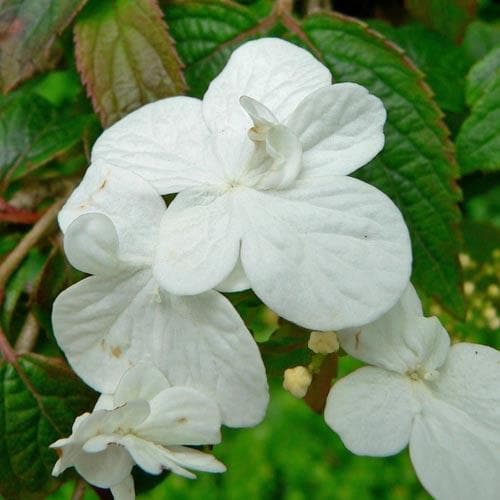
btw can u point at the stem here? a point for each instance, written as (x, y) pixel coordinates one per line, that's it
(321, 384)
(6, 349)
(12, 261)
(29, 335)
(79, 490)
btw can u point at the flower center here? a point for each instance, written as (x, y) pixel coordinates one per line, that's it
(420, 373)
(277, 154)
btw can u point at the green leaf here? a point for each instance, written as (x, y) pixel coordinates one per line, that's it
(445, 74)
(207, 32)
(480, 38)
(449, 17)
(39, 400)
(125, 56)
(33, 132)
(27, 31)
(417, 167)
(482, 76)
(23, 277)
(478, 142)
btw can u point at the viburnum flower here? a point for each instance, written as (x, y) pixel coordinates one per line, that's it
(146, 422)
(443, 401)
(264, 199)
(121, 316)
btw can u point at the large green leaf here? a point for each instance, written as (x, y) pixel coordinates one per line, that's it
(125, 56)
(27, 31)
(449, 17)
(445, 73)
(206, 33)
(39, 399)
(478, 142)
(33, 132)
(417, 167)
(480, 38)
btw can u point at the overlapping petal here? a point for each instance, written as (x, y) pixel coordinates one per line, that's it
(372, 410)
(106, 324)
(276, 73)
(199, 242)
(325, 256)
(165, 142)
(132, 204)
(341, 128)
(400, 340)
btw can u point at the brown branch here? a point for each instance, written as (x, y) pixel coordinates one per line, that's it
(79, 490)
(6, 349)
(14, 215)
(29, 335)
(321, 384)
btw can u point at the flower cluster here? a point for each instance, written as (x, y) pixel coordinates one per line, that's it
(260, 169)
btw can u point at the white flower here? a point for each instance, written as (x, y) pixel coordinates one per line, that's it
(147, 422)
(264, 199)
(121, 316)
(443, 401)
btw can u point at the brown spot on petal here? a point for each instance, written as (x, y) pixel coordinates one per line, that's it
(103, 184)
(182, 420)
(116, 352)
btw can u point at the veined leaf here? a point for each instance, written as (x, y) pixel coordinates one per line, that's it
(480, 38)
(39, 400)
(125, 56)
(33, 132)
(27, 31)
(478, 142)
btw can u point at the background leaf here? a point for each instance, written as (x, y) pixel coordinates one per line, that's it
(27, 31)
(478, 143)
(39, 399)
(33, 132)
(449, 17)
(125, 56)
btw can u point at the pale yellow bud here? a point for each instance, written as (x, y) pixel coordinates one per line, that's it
(493, 290)
(464, 259)
(323, 342)
(469, 288)
(490, 312)
(297, 380)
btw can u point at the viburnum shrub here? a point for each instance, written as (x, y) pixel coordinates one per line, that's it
(264, 187)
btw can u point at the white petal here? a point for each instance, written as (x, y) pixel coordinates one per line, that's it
(181, 415)
(134, 207)
(151, 457)
(124, 490)
(106, 468)
(201, 342)
(470, 381)
(400, 340)
(325, 255)
(164, 142)
(142, 381)
(341, 128)
(274, 72)
(194, 459)
(105, 402)
(97, 323)
(372, 411)
(106, 325)
(455, 455)
(199, 243)
(91, 244)
(236, 281)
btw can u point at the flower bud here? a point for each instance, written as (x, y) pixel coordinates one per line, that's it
(297, 381)
(323, 342)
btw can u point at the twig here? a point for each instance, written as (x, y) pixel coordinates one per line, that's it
(321, 384)
(28, 336)
(9, 265)
(79, 490)
(6, 349)
(316, 5)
